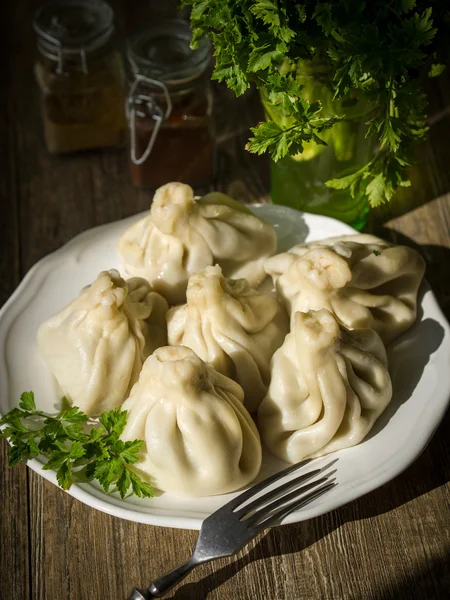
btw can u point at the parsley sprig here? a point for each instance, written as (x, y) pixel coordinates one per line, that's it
(75, 455)
(375, 51)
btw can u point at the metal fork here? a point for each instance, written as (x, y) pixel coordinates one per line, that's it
(233, 525)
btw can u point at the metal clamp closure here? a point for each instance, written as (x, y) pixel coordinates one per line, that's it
(138, 98)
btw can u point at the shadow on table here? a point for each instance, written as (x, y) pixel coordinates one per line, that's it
(419, 479)
(276, 542)
(421, 583)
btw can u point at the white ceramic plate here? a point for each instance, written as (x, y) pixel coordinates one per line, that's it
(419, 365)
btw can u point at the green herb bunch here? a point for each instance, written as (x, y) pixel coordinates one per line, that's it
(74, 454)
(375, 50)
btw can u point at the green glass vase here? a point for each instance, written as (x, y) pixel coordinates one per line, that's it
(299, 181)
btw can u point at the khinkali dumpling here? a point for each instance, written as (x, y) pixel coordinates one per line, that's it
(328, 387)
(366, 285)
(199, 438)
(183, 234)
(231, 326)
(95, 346)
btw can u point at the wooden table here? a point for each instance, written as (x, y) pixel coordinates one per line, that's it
(393, 543)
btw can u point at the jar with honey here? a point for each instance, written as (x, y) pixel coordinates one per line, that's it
(169, 107)
(80, 74)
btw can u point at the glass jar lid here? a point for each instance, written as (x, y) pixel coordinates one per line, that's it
(68, 28)
(163, 53)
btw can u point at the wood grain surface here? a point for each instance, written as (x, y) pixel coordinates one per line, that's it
(393, 543)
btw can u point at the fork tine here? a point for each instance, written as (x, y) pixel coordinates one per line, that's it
(282, 488)
(287, 510)
(262, 484)
(283, 501)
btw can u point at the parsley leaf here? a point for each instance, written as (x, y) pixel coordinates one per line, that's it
(436, 69)
(114, 421)
(139, 487)
(74, 453)
(27, 401)
(123, 483)
(374, 51)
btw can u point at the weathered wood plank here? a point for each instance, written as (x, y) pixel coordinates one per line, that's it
(14, 520)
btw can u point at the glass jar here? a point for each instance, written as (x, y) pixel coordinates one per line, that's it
(169, 107)
(80, 75)
(299, 181)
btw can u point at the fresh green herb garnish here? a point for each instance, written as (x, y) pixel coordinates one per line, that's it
(375, 51)
(377, 252)
(72, 453)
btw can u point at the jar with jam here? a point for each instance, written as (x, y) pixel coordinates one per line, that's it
(80, 74)
(169, 107)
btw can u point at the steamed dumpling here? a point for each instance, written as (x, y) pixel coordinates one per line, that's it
(328, 387)
(183, 234)
(231, 326)
(199, 438)
(95, 347)
(366, 285)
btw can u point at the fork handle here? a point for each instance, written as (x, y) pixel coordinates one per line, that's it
(164, 584)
